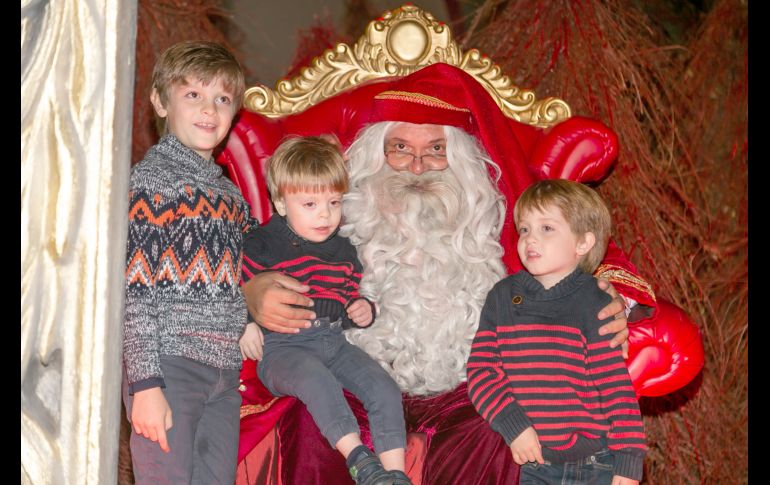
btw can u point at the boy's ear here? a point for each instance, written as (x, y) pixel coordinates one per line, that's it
(157, 104)
(280, 206)
(586, 243)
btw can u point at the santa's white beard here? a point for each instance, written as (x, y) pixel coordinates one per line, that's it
(428, 274)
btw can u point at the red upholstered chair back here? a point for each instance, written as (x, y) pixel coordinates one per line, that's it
(255, 137)
(334, 95)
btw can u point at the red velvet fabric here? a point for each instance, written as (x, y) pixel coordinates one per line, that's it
(260, 465)
(461, 447)
(260, 410)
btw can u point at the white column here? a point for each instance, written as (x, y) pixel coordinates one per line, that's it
(77, 77)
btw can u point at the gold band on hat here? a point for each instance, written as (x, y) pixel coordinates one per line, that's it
(419, 98)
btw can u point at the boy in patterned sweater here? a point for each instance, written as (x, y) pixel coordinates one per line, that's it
(306, 178)
(538, 371)
(184, 311)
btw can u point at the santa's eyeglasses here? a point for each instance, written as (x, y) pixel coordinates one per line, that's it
(396, 157)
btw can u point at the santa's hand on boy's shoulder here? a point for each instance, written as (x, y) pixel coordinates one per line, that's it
(615, 308)
(360, 311)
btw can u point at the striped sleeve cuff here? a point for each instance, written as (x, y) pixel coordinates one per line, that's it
(629, 464)
(511, 422)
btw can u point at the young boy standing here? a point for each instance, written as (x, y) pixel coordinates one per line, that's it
(184, 310)
(539, 372)
(306, 178)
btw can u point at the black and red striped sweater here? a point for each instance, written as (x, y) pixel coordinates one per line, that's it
(331, 268)
(538, 360)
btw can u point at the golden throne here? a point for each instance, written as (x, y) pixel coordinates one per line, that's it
(330, 96)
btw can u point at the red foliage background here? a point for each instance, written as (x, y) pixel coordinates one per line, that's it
(679, 192)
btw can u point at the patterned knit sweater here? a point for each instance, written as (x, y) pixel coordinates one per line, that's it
(538, 360)
(184, 253)
(331, 268)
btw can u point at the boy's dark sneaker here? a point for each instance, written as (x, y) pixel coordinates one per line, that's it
(366, 469)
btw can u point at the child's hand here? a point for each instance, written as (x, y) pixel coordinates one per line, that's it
(360, 311)
(151, 416)
(618, 480)
(251, 342)
(526, 447)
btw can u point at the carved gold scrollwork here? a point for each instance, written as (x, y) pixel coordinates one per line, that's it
(411, 38)
(400, 42)
(517, 103)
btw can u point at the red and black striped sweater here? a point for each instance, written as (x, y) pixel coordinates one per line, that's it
(331, 268)
(538, 360)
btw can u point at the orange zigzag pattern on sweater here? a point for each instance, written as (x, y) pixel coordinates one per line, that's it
(224, 210)
(199, 269)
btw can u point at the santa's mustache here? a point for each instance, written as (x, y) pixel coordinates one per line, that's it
(429, 182)
(436, 192)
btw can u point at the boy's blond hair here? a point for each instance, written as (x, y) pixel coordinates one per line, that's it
(309, 164)
(581, 206)
(202, 60)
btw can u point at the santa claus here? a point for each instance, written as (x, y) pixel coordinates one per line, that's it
(433, 178)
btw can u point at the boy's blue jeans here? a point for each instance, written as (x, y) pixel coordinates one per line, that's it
(316, 364)
(595, 469)
(205, 412)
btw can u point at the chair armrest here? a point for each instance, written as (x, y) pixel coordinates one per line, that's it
(665, 352)
(578, 149)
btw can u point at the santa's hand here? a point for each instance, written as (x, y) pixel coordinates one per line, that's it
(619, 326)
(360, 311)
(526, 447)
(270, 296)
